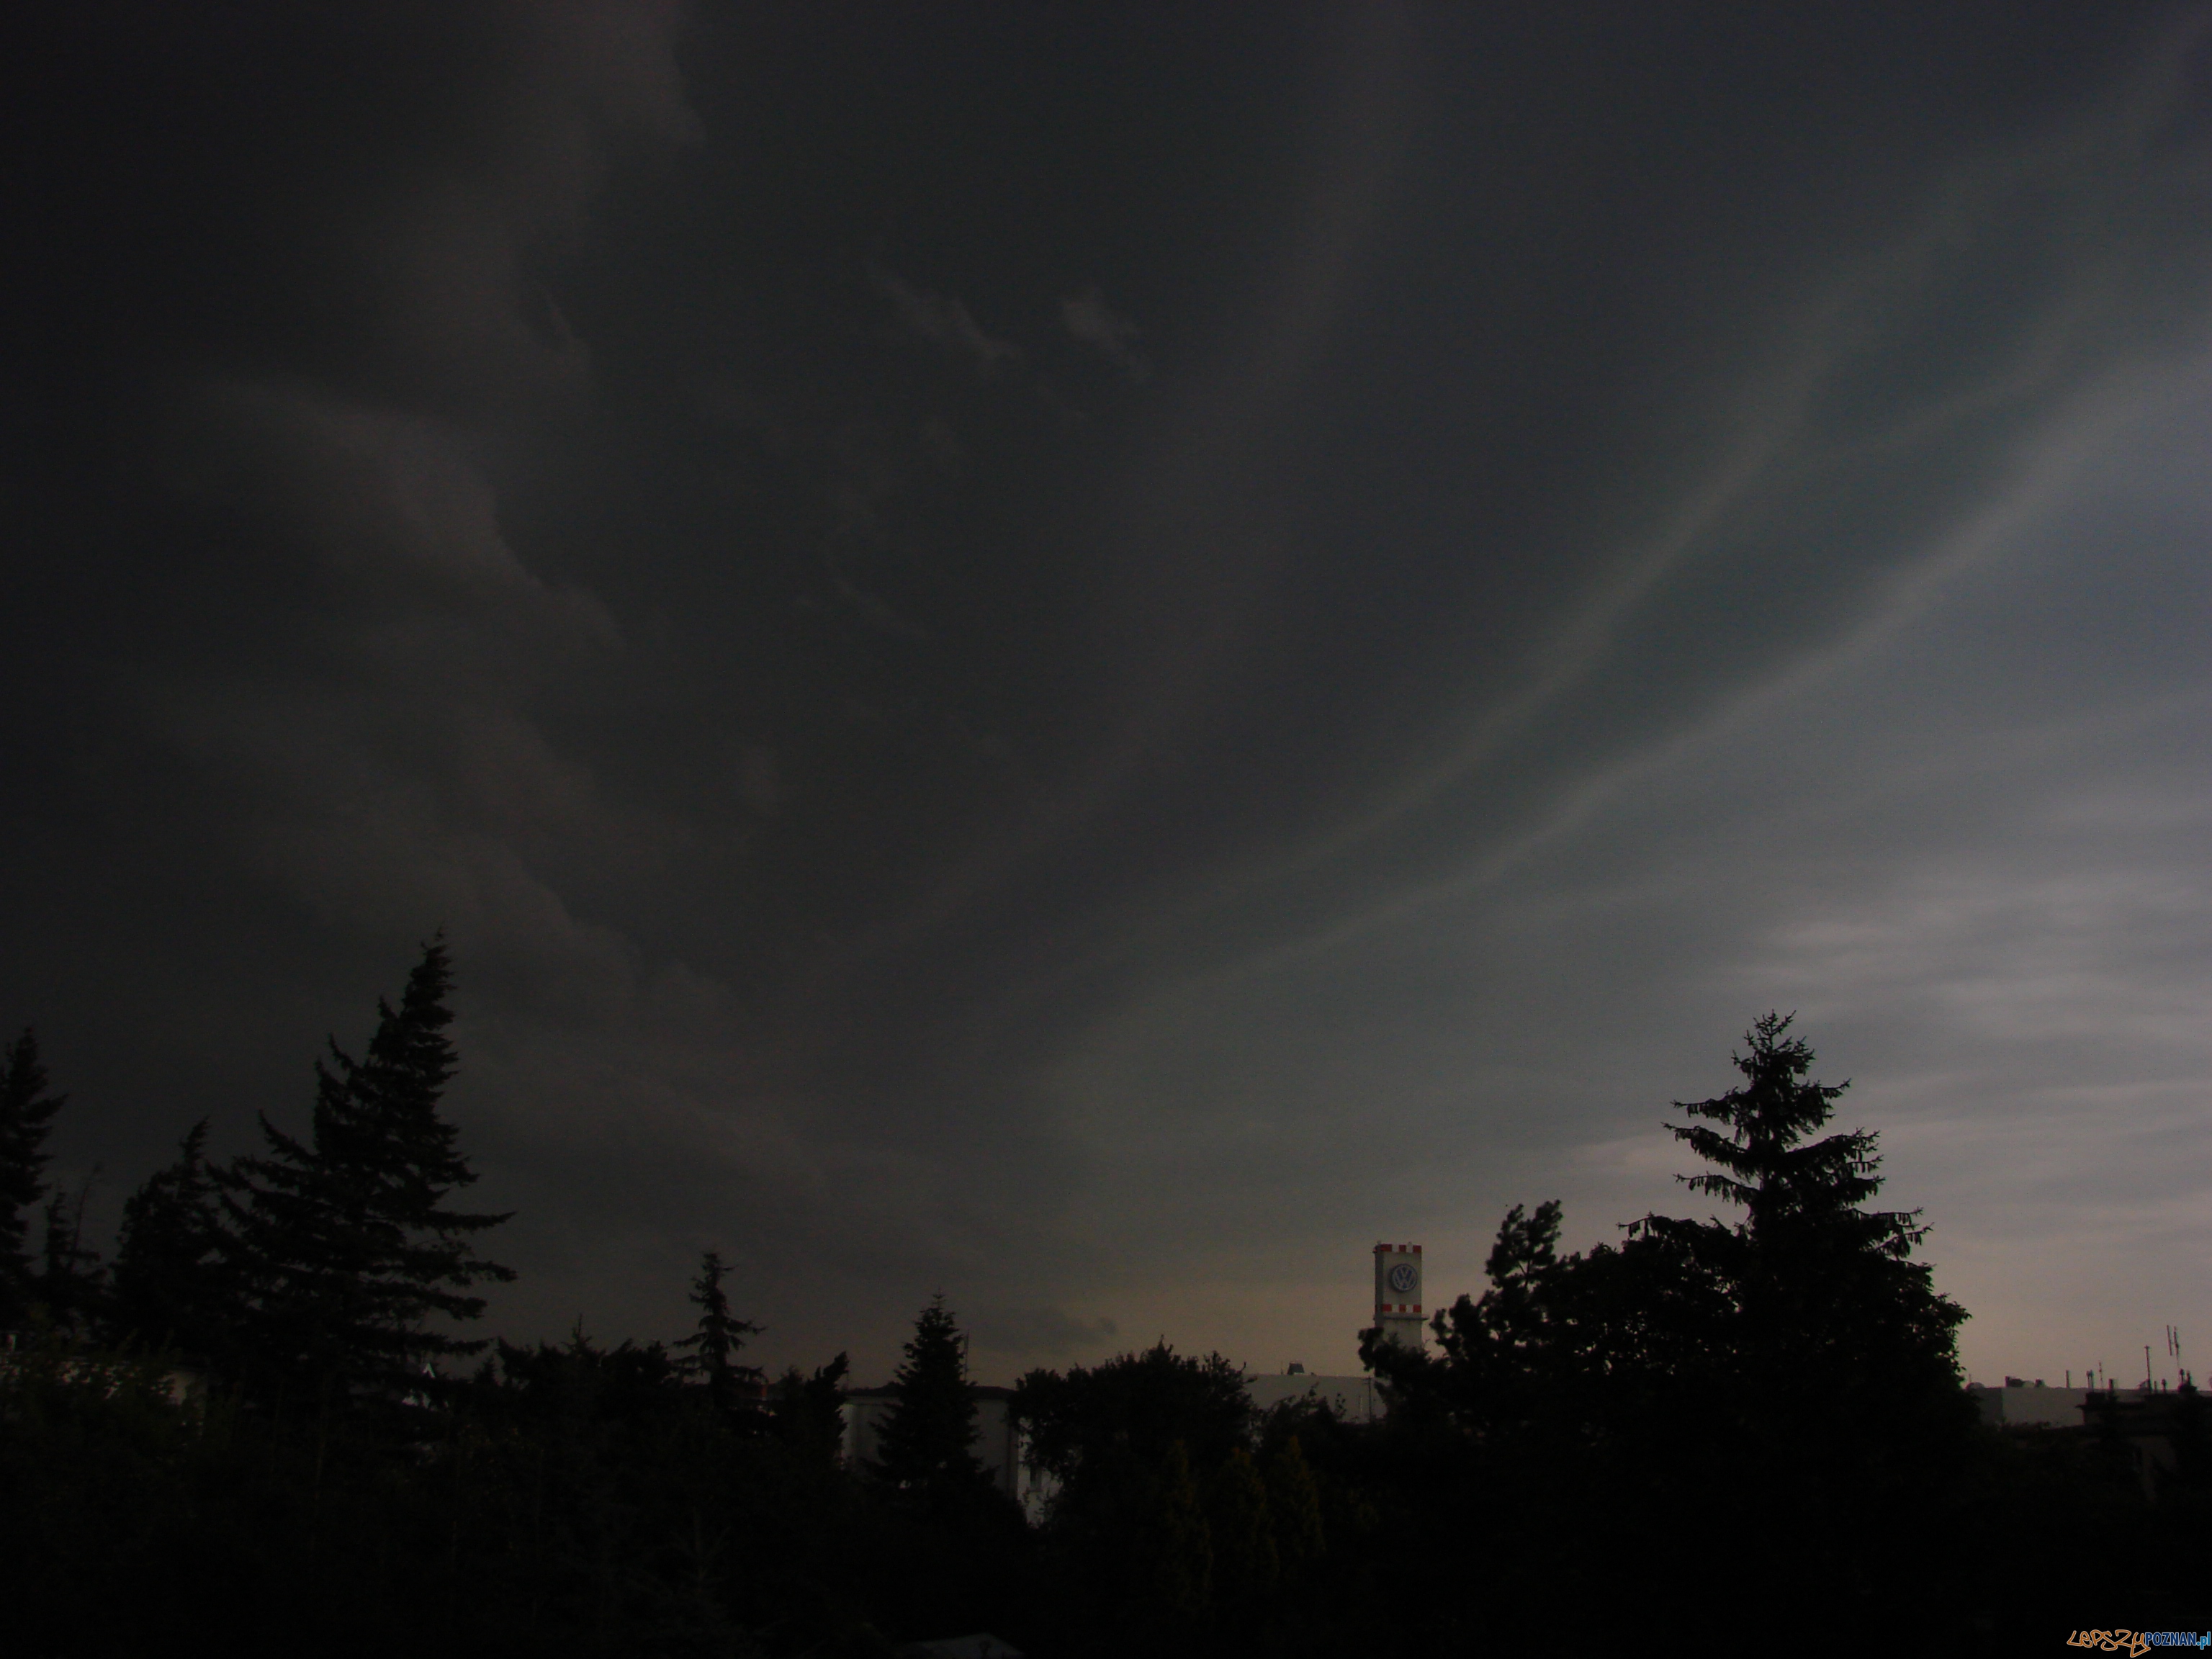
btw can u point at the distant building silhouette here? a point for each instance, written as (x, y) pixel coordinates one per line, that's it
(2142, 1423)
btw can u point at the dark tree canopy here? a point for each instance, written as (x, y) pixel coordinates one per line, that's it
(927, 1438)
(1826, 1295)
(1764, 1162)
(1808, 1288)
(720, 1334)
(809, 1411)
(27, 1112)
(1789, 1375)
(1761, 1409)
(72, 1283)
(345, 1239)
(166, 1286)
(1135, 1405)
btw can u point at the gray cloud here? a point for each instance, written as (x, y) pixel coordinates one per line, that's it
(1089, 319)
(1038, 1332)
(944, 321)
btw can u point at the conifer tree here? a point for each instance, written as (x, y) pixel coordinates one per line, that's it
(720, 1334)
(167, 1285)
(926, 1440)
(27, 1111)
(809, 1411)
(1808, 1309)
(70, 1284)
(344, 1238)
(1819, 1281)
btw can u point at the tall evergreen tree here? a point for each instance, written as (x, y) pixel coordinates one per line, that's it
(927, 1438)
(27, 1112)
(70, 1277)
(720, 1334)
(167, 1286)
(1788, 1377)
(1823, 1286)
(345, 1238)
(1834, 1417)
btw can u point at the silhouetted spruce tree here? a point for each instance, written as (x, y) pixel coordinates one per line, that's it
(166, 1287)
(809, 1412)
(926, 1440)
(1824, 1289)
(71, 1281)
(1827, 1404)
(720, 1334)
(344, 1239)
(27, 1112)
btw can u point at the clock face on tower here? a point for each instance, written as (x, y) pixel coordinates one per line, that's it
(1402, 1278)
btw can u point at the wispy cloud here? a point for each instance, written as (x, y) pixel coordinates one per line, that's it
(945, 321)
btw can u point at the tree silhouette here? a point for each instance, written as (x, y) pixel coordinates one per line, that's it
(927, 1439)
(27, 1112)
(344, 1239)
(72, 1283)
(1097, 1422)
(1825, 1291)
(720, 1334)
(809, 1411)
(165, 1286)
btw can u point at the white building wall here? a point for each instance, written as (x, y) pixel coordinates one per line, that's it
(2031, 1405)
(1353, 1399)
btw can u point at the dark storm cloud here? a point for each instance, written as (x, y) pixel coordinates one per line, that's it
(1091, 321)
(947, 322)
(1085, 659)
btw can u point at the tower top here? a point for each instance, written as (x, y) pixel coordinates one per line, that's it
(1398, 1294)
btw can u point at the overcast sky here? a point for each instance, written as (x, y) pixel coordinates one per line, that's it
(1090, 656)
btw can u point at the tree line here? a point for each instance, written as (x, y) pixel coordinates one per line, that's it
(1730, 1428)
(329, 1263)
